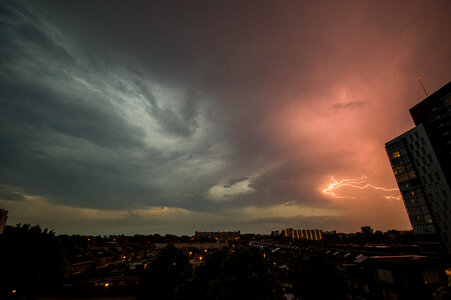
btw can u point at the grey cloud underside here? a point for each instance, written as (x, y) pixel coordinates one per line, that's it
(235, 180)
(66, 141)
(9, 194)
(69, 143)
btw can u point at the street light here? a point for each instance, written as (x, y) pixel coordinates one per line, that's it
(106, 286)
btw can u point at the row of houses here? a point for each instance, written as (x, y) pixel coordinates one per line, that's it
(365, 275)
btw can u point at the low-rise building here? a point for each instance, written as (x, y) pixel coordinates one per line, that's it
(3, 217)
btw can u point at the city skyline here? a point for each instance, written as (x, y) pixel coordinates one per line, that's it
(175, 118)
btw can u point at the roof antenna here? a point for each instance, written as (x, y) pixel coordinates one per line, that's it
(419, 79)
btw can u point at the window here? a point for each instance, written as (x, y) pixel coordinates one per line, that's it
(413, 211)
(393, 296)
(395, 154)
(385, 275)
(412, 174)
(398, 170)
(427, 219)
(431, 276)
(418, 192)
(402, 177)
(437, 216)
(420, 200)
(424, 209)
(404, 185)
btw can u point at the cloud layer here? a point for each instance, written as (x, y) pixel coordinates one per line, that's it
(157, 117)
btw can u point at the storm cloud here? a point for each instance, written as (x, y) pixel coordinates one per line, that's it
(174, 117)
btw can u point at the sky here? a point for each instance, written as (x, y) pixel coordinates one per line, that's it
(124, 117)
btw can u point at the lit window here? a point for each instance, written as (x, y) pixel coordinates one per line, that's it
(427, 219)
(398, 170)
(431, 276)
(395, 154)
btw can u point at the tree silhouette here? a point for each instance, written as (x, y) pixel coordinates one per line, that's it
(167, 275)
(242, 274)
(31, 261)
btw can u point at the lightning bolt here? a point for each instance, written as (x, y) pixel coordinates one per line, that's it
(357, 183)
(392, 197)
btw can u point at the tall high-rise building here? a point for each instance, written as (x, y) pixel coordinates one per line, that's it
(3, 217)
(420, 159)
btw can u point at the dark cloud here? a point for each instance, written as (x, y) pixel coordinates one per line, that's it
(350, 105)
(234, 181)
(9, 193)
(183, 124)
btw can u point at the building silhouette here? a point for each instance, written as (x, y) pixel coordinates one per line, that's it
(420, 159)
(3, 217)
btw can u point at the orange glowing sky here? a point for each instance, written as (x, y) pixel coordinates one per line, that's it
(161, 117)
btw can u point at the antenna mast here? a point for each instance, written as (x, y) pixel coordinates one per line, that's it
(419, 79)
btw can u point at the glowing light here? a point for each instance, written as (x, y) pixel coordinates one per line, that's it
(357, 183)
(107, 284)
